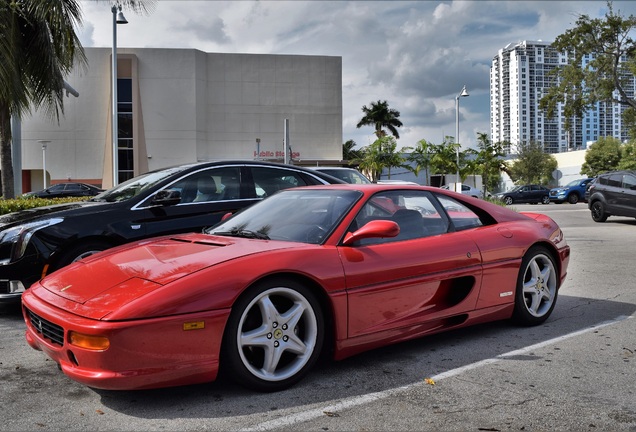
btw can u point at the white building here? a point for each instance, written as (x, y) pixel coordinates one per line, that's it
(519, 76)
(178, 106)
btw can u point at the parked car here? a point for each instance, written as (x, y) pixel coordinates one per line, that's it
(572, 192)
(335, 270)
(63, 190)
(532, 194)
(468, 190)
(395, 182)
(348, 175)
(613, 194)
(173, 200)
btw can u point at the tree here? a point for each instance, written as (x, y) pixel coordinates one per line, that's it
(38, 48)
(444, 160)
(533, 165)
(602, 156)
(607, 76)
(420, 157)
(628, 156)
(490, 160)
(380, 116)
(379, 155)
(349, 151)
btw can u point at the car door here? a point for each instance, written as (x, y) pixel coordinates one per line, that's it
(627, 196)
(198, 208)
(613, 193)
(396, 283)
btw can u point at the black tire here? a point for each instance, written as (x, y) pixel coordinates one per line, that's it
(80, 251)
(537, 287)
(508, 200)
(573, 198)
(545, 199)
(250, 340)
(598, 212)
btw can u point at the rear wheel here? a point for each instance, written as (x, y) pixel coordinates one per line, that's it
(274, 335)
(537, 287)
(598, 212)
(545, 199)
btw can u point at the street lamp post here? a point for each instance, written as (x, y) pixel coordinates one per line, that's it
(44, 143)
(118, 18)
(463, 93)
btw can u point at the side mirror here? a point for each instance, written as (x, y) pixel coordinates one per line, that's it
(373, 229)
(167, 197)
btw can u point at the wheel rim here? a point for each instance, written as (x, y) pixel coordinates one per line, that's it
(597, 211)
(539, 285)
(574, 198)
(508, 201)
(277, 334)
(545, 200)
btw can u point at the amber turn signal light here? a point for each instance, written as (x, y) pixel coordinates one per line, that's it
(91, 342)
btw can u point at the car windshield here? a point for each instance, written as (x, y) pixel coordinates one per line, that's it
(573, 183)
(515, 189)
(135, 186)
(306, 216)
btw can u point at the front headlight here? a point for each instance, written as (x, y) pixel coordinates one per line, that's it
(13, 241)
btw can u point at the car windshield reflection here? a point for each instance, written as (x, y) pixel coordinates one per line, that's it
(306, 216)
(133, 187)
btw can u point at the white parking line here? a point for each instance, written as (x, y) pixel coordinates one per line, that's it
(300, 417)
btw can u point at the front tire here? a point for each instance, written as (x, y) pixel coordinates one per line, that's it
(274, 335)
(508, 200)
(598, 212)
(573, 198)
(537, 287)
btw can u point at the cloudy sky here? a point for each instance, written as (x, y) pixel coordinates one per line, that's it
(417, 55)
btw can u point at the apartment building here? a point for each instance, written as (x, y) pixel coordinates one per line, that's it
(519, 76)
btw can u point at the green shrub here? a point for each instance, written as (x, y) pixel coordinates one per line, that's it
(22, 203)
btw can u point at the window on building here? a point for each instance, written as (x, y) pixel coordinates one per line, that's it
(125, 153)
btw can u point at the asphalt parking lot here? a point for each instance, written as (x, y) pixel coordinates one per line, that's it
(575, 372)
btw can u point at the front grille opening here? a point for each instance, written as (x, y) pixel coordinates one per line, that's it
(49, 331)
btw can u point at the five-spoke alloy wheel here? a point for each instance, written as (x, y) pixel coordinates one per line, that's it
(274, 335)
(537, 287)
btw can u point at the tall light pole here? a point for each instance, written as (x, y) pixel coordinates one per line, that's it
(118, 18)
(463, 93)
(44, 143)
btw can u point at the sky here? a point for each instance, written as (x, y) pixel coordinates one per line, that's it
(416, 55)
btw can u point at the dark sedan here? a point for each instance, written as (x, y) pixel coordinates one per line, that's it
(532, 194)
(173, 200)
(64, 190)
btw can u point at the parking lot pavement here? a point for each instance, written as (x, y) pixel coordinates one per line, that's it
(575, 372)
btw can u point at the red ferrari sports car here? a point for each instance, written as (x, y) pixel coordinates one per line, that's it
(338, 269)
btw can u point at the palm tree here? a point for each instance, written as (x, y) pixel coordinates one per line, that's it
(38, 48)
(380, 116)
(420, 158)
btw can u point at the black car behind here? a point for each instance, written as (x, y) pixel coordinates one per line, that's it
(174, 200)
(63, 190)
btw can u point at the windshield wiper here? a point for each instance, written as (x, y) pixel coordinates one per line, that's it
(242, 233)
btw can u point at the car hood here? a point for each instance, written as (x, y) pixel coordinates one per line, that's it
(37, 213)
(99, 285)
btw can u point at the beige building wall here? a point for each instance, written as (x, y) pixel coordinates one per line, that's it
(190, 106)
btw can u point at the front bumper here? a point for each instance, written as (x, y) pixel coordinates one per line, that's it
(143, 354)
